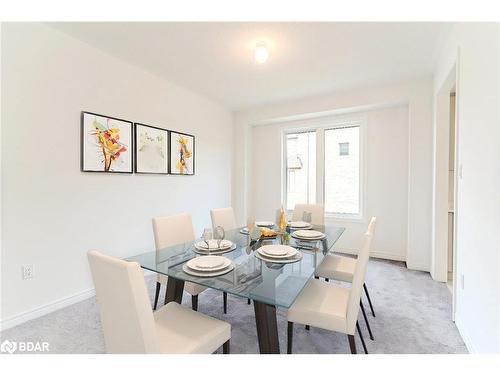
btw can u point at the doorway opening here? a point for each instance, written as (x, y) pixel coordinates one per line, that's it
(446, 172)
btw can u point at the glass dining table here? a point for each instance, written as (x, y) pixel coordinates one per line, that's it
(269, 285)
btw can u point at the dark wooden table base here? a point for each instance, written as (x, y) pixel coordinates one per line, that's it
(267, 328)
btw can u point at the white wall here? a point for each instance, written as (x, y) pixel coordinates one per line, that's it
(478, 205)
(415, 95)
(385, 181)
(53, 213)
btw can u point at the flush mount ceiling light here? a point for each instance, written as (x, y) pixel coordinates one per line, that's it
(261, 53)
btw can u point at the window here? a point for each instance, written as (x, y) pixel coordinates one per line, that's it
(336, 183)
(300, 168)
(342, 170)
(344, 148)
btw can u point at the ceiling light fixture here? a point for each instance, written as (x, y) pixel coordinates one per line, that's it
(261, 53)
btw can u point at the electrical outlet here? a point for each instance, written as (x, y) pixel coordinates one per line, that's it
(27, 272)
(462, 281)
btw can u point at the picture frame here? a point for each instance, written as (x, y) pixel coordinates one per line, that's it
(151, 149)
(106, 144)
(182, 152)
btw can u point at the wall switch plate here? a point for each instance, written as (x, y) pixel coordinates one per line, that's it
(27, 271)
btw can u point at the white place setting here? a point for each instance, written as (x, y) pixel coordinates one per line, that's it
(266, 224)
(278, 254)
(208, 266)
(299, 225)
(308, 235)
(214, 247)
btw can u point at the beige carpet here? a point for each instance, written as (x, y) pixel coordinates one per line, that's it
(412, 316)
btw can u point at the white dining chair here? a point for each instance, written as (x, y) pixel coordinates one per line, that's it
(131, 327)
(342, 268)
(332, 307)
(223, 217)
(317, 212)
(170, 231)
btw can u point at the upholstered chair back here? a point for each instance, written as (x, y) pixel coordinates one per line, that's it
(172, 230)
(223, 217)
(124, 306)
(317, 213)
(357, 283)
(372, 226)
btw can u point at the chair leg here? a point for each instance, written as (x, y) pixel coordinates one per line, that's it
(224, 297)
(308, 328)
(248, 301)
(194, 302)
(290, 338)
(225, 347)
(327, 280)
(352, 344)
(316, 277)
(361, 337)
(366, 319)
(369, 300)
(157, 294)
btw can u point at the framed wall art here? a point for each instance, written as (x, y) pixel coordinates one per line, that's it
(106, 144)
(151, 149)
(182, 153)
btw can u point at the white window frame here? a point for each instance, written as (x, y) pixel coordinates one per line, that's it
(319, 125)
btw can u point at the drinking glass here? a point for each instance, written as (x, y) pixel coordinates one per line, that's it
(207, 236)
(219, 235)
(307, 217)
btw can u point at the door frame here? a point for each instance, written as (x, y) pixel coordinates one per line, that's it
(441, 126)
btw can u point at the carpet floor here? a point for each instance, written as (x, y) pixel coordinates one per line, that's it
(413, 315)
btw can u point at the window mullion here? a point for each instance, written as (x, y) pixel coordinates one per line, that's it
(320, 165)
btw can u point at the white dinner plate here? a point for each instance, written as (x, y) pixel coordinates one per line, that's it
(225, 244)
(289, 254)
(276, 250)
(210, 263)
(299, 224)
(223, 271)
(268, 224)
(297, 257)
(214, 252)
(308, 234)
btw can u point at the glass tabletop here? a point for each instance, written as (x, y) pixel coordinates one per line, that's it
(271, 283)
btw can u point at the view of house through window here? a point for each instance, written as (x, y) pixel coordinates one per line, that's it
(300, 168)
(341, 173)
(342, 170)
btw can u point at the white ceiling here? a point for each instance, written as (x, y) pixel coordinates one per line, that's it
(216, 59)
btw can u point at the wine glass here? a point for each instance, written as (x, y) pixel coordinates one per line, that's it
(219, 235)
(207, 236)
(250, 224)
(307, 217)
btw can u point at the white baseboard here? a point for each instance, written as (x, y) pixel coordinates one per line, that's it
(417, 266)
(374, 254)
(54, 306)
(23, 317)
(465, 336)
